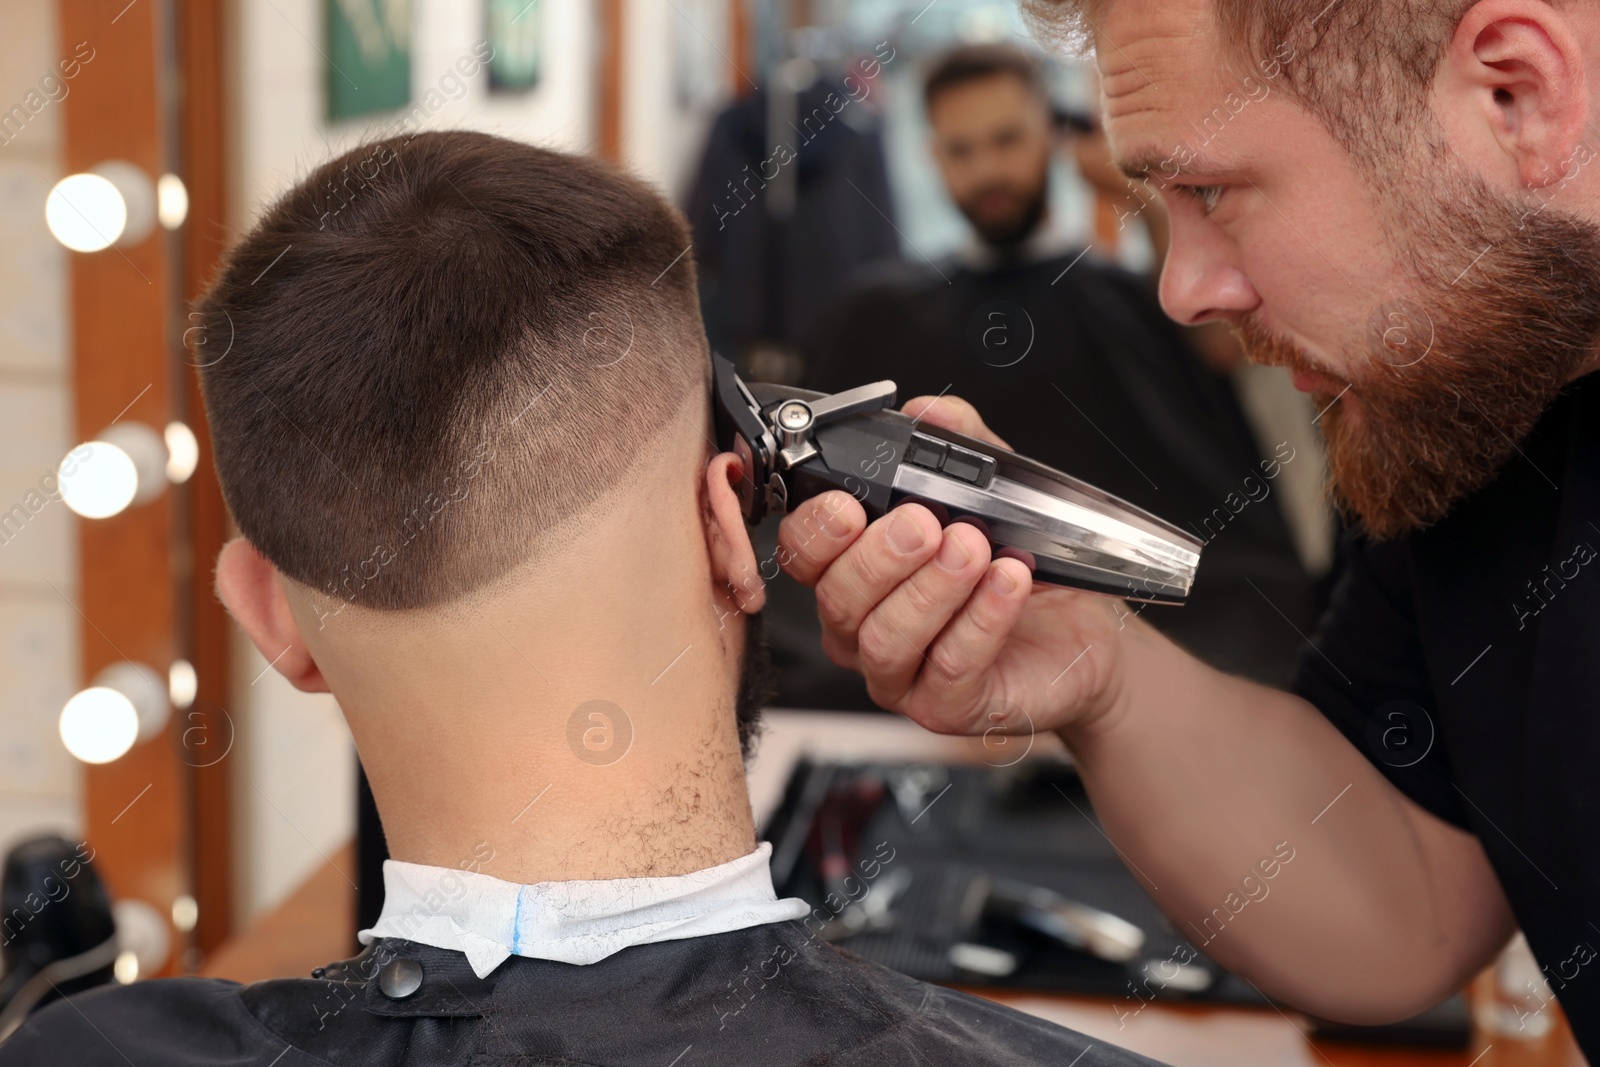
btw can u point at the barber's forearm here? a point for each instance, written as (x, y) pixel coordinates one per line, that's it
(1273, 843)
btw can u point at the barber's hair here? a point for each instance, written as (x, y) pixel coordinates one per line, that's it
(1362, 67)
(438, 350)
(975, 62)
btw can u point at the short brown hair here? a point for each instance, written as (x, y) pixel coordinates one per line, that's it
(1358, 65)
(438, 308)
(973, 62)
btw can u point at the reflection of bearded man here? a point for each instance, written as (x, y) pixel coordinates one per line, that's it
(1005, 214)
(1506, 307)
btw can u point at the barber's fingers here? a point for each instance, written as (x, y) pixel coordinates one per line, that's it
(814, 534)
(893, 640)
(817, 532)
(890, 551)
(952, 413)
(962, 672)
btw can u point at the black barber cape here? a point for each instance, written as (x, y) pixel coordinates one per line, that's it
(766, 996)
(1464, 661)
(1072, 361)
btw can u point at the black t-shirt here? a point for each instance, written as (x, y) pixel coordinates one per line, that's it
(1464, 661)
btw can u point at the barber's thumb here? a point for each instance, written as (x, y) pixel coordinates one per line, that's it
(952, 413)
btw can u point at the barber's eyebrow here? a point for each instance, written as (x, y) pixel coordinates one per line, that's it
(1140, 165)
(1147, 164)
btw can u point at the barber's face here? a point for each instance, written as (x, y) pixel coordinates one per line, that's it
(992, 141)
(1412, 303)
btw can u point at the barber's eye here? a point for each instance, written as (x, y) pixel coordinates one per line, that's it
(1205, 195)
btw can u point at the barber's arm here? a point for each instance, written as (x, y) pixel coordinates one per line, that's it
(1275, 845)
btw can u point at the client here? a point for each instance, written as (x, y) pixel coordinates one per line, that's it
(464, 429)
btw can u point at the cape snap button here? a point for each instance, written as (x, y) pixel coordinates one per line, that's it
(400, 978)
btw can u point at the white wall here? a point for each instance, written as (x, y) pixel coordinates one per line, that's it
(40, 784)
(661, 139)
(295, 783)
(278, 130)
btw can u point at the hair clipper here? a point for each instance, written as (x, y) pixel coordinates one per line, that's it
(796, 444)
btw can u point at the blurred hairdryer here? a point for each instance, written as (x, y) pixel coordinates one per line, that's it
(57, 934)
(797, 444)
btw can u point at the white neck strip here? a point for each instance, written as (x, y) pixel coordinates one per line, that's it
(581, 922)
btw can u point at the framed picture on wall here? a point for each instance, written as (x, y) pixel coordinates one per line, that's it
(369, 56)
(516, 32)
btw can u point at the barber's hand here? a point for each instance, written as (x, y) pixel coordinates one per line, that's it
(953, 640)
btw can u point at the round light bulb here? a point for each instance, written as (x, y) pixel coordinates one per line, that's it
(182, 683)
(138, 194)
(99, 725)
(144, 689)
(185, 913)
(183, 452)
(86, 212)
(172, 201)
(150, 455)
(101, 484)
(142, 931)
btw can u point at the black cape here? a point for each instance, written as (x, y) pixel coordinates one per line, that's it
(767, 995)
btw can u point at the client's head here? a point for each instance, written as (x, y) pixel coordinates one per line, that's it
(458, 390)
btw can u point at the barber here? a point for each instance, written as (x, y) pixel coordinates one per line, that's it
(1398, 203)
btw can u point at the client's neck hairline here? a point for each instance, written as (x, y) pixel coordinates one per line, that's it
(684, 731)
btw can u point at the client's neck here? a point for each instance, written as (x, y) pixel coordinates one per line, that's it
(584, 729)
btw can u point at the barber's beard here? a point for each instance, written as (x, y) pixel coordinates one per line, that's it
(758, 682)
(1020, 224)
(1506, 311)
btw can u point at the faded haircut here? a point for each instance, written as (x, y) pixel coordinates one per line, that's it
(435, 352)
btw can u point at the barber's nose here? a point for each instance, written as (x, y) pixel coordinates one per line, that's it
(1201, 279)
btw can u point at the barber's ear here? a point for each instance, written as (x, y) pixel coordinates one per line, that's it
(733, 557)
(252, 590)
(1518, 65)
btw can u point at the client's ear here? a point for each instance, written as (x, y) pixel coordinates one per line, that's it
(252, 590)
(733, 558)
